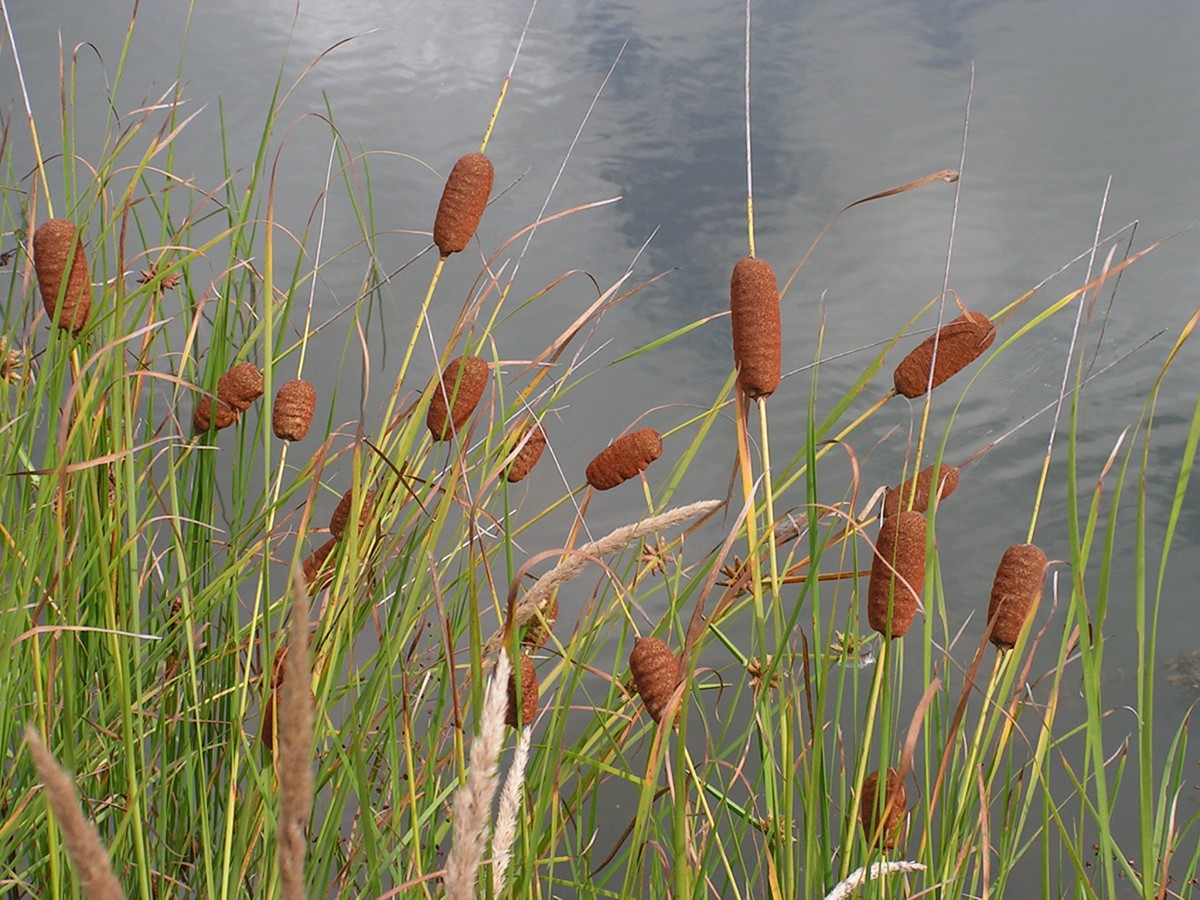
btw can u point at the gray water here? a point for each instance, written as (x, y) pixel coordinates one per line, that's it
(848, 99)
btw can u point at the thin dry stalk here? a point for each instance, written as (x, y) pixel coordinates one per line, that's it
(506, 815)
(295, 749)
(473, 801)
(87, 853)
(577, 560)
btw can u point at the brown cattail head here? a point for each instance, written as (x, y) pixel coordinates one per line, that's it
(462, 383)
(883, 815)
(623, 458)
(1015, 590)
(53, 243)
(528, 456)
(655, 674)
(341, 515)
(959, 343)
(463, 201)
(757, 334)
(538, 628)
(313, 566)
(897, 498)
(899, 558)
(529, 695)
(203, 415)
(292, 413)
(240, 386)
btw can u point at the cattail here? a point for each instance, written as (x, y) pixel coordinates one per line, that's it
(959, 343)
(655, 674)
(53, 243)
(1015, 590)
(463, 201)
(887, 811)
(314, 564)
(529, 695)
(623, 458)
(539, 626)
(240, 386)
(341, 515)
(898, 497)
(293, 410)
(203, 417)
(757, 334)
(462, 390)
(528, 456)
(899, 547)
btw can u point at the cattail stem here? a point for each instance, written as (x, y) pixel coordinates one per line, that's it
(860, 771)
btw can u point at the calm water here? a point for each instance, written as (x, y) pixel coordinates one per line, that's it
(847, 100)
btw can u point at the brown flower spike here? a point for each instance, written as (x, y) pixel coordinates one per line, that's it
(240, 386)
(900, 546)
(203, 417)
(527, 457)
(888, 810)
(655, 674)
(959, 343)
(464, 392)
(53, 242)
(529, 695)
(757, 333)
(292, 412)
(624, 458)
(897, 498)
(464, 199)
(1015, 590)
(341, 515)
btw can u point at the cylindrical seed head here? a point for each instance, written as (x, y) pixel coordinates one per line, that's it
(313, 566)
(624, 458)
(241, 386)
(537, 629)
(1016, 588)
(464, 199)
(888, 811)
(757, 333)
(462, 383)
(529, 695)
(292, 412)
(53, 242)
(959, 343)
(528, 456)
(899, 558)
(341, 515)
(898, 497)
(655, 674)
(203, 415)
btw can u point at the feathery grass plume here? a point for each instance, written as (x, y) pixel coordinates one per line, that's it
(87, 853)
(655, 674)
(1016, 588)
(203, 418)
(574, 563)
(464, 199)
(473, 800)
(53, 242)
(897, 571)
(896, 497)
(313, 566)
(883, 814)
(528, 703)
(959, 343)
(845, 889)
(446, 418)
(506, 815)
(527, 457)
(295, 739)
(624, 458)
(341, 515)
(292, 412)
(240, 386)
(757, 333)
(540, 626)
